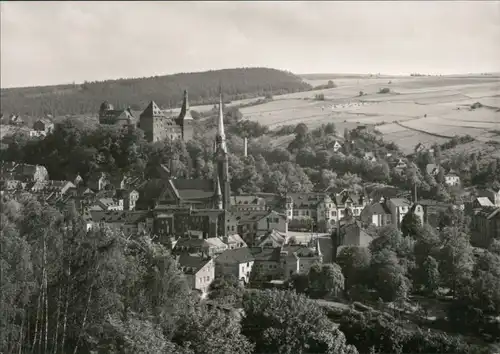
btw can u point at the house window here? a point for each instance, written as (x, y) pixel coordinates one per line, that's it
(295, 213)
(334, 213)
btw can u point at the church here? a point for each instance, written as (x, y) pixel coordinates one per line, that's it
(205, 203)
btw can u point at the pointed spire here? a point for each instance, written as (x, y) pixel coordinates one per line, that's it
(221, 136)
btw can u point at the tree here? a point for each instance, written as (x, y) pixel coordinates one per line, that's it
(430, 275)
(455, 258)
(354, 262)
(411, 224)
(211, 331)
(389, 277)
(226, 289)
(286, 322)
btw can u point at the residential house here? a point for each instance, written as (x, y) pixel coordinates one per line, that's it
(10, 170)
(378, 214)
(398, 207)
(369, 156)
(308, 211)
(237, 262)
(482, 202)
(127, 222)
(432, 169)
(400, 166)
(419, 147)
(211, 246)
(50, 187)
(127, 199)
(492, 194)
(254, 224)
(234, 241)
(272, 239)
(248, 203)
(281, 262)
(485, 226)
(452, 178)
(42, 127)
(199, 270)
(109, 204)
(337, 146)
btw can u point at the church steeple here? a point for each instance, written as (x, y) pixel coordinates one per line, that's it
(220, 137)
(218, 196)
(221, 160)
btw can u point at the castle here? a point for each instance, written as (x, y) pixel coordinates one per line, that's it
(156, 123)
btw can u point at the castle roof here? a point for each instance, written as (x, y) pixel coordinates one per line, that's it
(152, 110)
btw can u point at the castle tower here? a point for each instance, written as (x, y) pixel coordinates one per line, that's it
(221, 161)
(185, 120)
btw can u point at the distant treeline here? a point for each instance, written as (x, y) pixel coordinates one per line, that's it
(166, 91)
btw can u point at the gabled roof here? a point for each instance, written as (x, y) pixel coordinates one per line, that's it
(215, 242)
(273, 238)
(235, 256)
(379, 208)
(192, 263)
(484, 201)
(235, 238)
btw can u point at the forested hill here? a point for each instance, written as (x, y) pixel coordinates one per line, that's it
(166, 90)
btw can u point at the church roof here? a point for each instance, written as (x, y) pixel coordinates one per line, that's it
(193, 188)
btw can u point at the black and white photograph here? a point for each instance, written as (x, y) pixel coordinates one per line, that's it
(250, 177)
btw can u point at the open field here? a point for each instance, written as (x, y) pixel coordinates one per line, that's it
(418, 109)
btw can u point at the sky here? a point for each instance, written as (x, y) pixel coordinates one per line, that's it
(45, 43)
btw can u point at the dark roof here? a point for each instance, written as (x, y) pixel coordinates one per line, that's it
(193, 188)
(152, 110)
(265, 254)
(250, 216)
(238, 255)
(380, 208)
(113, 216)
(247, 200)
(190, 242)
(399, 202)
(192, 263)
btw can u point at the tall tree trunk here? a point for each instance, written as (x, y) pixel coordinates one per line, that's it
(65, 319)
(46, 294)
(35, 337)
(58, 315)
(84, 322)
(21, 334)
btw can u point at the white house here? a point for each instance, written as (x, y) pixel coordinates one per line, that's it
(337, 146)
(237, 262)
(452, 179)
(199, 270)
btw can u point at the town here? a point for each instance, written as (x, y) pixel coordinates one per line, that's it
(249, 210)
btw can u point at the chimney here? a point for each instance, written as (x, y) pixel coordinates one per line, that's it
(416, 197)
(245, 145)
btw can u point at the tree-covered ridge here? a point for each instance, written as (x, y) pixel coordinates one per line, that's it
(166, 90)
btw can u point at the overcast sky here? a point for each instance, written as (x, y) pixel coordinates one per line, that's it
(46, 43)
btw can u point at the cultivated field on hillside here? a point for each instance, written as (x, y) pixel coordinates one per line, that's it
(418, 109)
